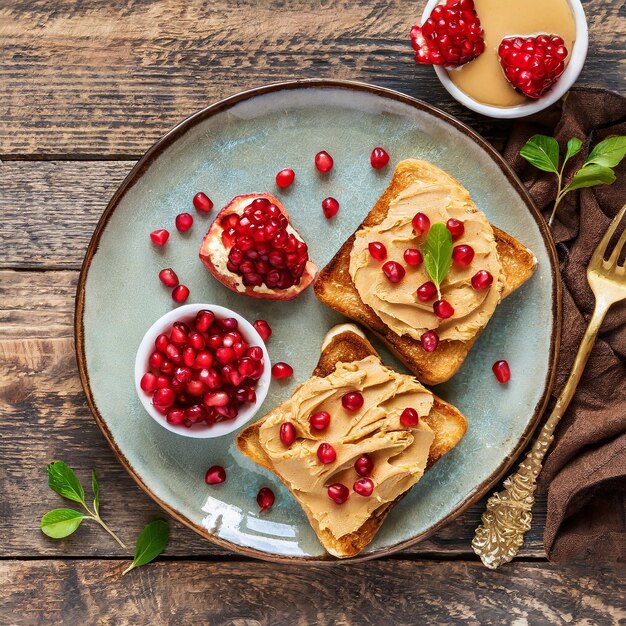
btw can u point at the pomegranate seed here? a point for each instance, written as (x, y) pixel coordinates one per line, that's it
(421, 223)
(195, 387)
(443, 309)
(287, 433)
(265, 499)
(180, 294)
(173, 353)
(204, 319)
(216, 398)
(168, 277)
(197, 341)
(225, 355)
(502, 371)
(175, 416)
(161, 342)
(203, 360)
(427, 291)
(319, 420)
(409, 417)
(413, 257)
(379, 158)
(481, 280)
(326, 453)
(195, 413)
(263, 328)
(163, 382)
(189, 356)
(159, 237)
(323, 162)
(463, 255)
(178, 334)
(364, 465)
(338, 493)
(364, 487)
(183, 374)
(281, 370)
(215, 341)
(229, 323)
(240, 348)
(202, 202)
(255, 353)
(148, 382)
(164, 397)
(429, 340)
(285, 177)
(377, 250)
(184, 222)
(330, 206)
(394, 271)
(215, 475)
(167, 367)
(455, 227)
(155, 360)
(352, 401)
(246, 366)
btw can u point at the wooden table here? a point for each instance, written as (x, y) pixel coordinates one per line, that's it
(87, 86)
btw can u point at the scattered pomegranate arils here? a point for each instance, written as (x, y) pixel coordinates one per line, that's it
(202, 202)
(184, 222)
(180, 293)
(364, 487)
(379, 158)
(412, 256)
(175, 417)
(420, 223)
(168, 277)
(281, 370)
(409, 418)
(451, 35)
(263, 328)
(481, 280)
(319, 420)
(148, 382)
(502, 371)
(455, 227)
(330, 207)
(287, 433)
(377, 250)
(429, 340)
(265, 499)
(159, 237)
(393, 271)
(443, 309)
(323, 162)
(215, 475)
(285, 177)
(533, 64)
(352, 401)
(463, 255)
(427, 291)
(326, 453)
(164, 397)
(338, 493)
(364, 465)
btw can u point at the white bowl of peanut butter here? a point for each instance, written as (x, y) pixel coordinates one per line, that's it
(481, 85)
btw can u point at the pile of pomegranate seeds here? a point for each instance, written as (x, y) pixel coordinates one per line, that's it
(203, 370)
(451, 36)
(502, 371)
(261, 250)
(533, 64)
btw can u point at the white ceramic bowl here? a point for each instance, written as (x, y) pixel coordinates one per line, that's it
(200, 431)
(563, 84)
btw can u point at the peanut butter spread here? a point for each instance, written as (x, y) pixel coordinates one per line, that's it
(399, 453)
(397, 304)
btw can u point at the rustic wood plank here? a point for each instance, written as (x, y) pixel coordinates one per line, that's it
(45, 417)
(382, 592)
(106, 79)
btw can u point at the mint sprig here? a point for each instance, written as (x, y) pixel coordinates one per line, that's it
(438, 258)
(543, 152)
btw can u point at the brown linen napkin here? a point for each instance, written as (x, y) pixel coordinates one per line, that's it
(585, 471)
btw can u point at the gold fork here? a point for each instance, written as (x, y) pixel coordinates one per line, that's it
(509, 512)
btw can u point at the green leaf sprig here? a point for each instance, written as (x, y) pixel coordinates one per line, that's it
(150, 543)
(438, 258)
(543, 152)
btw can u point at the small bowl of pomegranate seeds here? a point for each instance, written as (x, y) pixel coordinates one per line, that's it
(202, 371)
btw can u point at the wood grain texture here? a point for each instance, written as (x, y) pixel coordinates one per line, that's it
(100, 80)
(383, 592)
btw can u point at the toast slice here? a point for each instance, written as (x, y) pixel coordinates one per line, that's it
(345, 344)
(335, 288)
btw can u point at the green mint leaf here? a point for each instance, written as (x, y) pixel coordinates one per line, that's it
(63, 480)
(542, 152)
(573, 147)
(150, 543)
(61, 523)
(96, 491)
(609, 152)
(438, 257)
(590, 176)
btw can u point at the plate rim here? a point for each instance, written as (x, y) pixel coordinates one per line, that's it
(173, 135)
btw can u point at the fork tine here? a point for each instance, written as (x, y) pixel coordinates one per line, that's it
(598, 255)
(618, 249)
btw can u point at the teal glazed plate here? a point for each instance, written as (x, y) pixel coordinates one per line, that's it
(236, 147)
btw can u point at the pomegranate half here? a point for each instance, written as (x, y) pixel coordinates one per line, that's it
(252, 249)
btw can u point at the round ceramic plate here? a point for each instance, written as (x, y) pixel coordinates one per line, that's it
(235, 147)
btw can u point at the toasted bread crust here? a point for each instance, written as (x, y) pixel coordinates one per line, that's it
(335, 288)
(447, 423)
